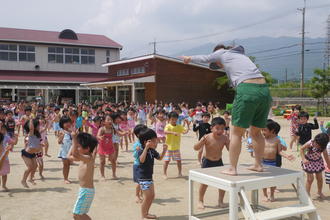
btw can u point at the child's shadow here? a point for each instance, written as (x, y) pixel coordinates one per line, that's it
(23, 190)
(168, 200)
(178, 217)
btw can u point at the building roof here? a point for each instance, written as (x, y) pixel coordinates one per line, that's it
(51, 77)
(154, 56)
(107, 83)
(52, 37)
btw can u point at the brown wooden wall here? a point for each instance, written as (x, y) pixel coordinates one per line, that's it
(150, 92)
(177, 82)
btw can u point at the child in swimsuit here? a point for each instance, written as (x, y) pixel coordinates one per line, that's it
(106, 148)
(124, 127)
(131, 118)
(65, 140)
(83, 150)
(33, 146)
(213, 145)
(312, 161)
(160, 126)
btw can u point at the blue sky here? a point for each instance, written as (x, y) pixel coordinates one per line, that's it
(135, 23)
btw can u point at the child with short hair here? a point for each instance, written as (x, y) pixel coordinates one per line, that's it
(95, 126)
(84, 150)
(106, 148)
(312, 162)
(56, 121)
(137, 146)
(305, 129)
(116, 119)
(213, 144)
(203, 128)
(65, 140)
(147, 154)
(131, 118)
(173, 140)
(273, 147)
(10, 123)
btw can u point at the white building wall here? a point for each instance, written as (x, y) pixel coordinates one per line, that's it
(41, 59)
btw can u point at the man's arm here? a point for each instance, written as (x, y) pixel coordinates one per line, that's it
(213, 57)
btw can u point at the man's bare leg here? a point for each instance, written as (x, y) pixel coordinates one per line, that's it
(258, 142)
(234, 149)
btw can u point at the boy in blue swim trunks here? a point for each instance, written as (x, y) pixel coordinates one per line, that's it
(137, 146)
(83, 150)
(213, 145)
(273, 147)
(147, 154)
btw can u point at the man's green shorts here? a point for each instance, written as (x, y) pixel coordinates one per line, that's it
(251, 105)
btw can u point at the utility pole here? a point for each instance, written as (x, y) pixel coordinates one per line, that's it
(303, 51)
(286, 75)
(154, 43)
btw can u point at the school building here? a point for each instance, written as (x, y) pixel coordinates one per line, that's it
(157, 77)
(52, 65)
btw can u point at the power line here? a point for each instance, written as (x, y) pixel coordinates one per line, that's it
(288, 55)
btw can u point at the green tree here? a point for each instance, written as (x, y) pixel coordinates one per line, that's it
(320, 85)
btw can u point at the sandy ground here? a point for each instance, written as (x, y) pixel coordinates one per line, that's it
(52, 199)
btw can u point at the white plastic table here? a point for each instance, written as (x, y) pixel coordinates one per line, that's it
(247, 180)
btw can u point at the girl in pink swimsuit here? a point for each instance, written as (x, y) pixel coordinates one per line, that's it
(106, 147)
(95, 126)
(160, 126)
(125, 128)
(131, 118)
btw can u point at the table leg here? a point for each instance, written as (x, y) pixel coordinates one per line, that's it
(254, 199)
(233, 205)
(191, 198)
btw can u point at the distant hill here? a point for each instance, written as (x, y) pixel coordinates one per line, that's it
(276, 61)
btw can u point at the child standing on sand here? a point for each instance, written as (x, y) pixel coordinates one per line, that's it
(83, 150)
(32, 147)
(173, 140)
(131, 118)
(160, 125)
(65, 140)
(312, 162)
(213, 145)
(124, 127)
(273, 147)
(293, 118)
(147, 154)
(106, 148)
(136, 163)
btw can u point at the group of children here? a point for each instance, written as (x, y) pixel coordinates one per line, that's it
(113, 128)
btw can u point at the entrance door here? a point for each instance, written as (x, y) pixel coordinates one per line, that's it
(140, 96)
(68, 96)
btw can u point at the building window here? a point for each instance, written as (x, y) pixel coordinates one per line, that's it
(123, 72)
(12, 52)
(87, 56)
(107, 56)
(55, 55)
(71, 55)
(138, 70)
(27, 53)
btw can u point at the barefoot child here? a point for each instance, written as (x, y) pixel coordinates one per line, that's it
(293, 117)
(65, 140)
(147, 154)
(203, 128)
(213, 145)
(131, 118)
(273, 147)
(312, 161)
(33, 146)
(173, 139)
(56, 121)
(160, 125)
(106, 148)
(124, 127)
(83, 150)
(136, 163)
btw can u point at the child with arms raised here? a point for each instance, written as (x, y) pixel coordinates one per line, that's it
(83, 150)
(213, 145)
(147, 154)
